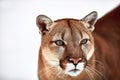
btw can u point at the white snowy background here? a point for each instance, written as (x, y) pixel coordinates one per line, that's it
(19, 35)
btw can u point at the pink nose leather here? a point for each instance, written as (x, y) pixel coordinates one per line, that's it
(75, 60)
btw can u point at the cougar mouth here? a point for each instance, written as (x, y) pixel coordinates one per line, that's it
(74, 70)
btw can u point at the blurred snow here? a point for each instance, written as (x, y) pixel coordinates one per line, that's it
(19, 37)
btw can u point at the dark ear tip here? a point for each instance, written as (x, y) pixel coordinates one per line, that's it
(94, 13)
(40, 17)
(43, 18)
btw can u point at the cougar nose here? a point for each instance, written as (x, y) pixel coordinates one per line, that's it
(75, 60)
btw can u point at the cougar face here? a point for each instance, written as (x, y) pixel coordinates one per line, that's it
(67, 44)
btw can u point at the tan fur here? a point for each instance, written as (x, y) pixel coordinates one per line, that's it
(100, 54)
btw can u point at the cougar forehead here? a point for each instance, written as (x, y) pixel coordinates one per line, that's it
(69, 29)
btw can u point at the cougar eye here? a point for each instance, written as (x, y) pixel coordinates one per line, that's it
(84, 41)
(59, 42)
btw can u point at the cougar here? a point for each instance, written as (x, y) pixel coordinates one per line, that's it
(73, 49)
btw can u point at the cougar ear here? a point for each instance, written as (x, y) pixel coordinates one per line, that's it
(43, 22)
(91, 18)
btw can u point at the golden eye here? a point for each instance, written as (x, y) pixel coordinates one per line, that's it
(59, 43)
(84, 41)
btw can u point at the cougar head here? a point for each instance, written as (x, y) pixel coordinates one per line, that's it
(67, 44)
